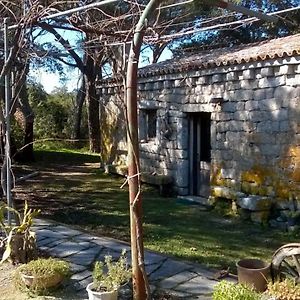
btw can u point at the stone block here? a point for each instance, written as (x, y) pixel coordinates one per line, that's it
(241, 116)
(268, 149)
(268, 126)
(240, 106)
(278, 224)
(249, 74)
(168, 84)
(280, 114)
(230, 76)
(242, 94)
(271, 103)
(249, 84)
(202, 80)
(293, 80)
(258, 116)
(217, 78)
(260, 217)
(259, 94)
(268, 82)
(223, 116)
(229, 107)
(266, 72)
(236, 125)
(285, 92)
(255, 203)
(252, 105)
(284, 70)
(223, 192)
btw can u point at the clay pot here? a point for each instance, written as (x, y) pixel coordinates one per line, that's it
(254, 272)
(44, 282)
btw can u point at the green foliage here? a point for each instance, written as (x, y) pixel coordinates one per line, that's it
(20, 242)
(117, 273)
(284, 290)
(247, 33)
(45, 267)
(53, 113)
(45, 272)
(225, 290)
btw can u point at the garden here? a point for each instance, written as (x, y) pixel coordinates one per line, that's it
(73, 190)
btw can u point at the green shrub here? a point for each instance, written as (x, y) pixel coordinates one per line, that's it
(284, 290)
(117, 273)
(47, 274)
(230, 291)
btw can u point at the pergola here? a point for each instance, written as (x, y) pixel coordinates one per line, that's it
(140, 284)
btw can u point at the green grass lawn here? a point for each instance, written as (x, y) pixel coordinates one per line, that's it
(85, 197)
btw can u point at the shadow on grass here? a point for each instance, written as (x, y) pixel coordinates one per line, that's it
(91, 200)
(64, 157)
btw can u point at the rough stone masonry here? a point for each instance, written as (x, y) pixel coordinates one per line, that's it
(253, 97)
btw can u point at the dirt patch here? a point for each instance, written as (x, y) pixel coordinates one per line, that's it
(8, 289)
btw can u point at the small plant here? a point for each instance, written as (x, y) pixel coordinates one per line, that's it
(20, 241)
(284, 290)
(225, 290)
(117, 273)
(42, 274)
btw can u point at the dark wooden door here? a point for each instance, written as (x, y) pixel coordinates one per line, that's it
(200, 158)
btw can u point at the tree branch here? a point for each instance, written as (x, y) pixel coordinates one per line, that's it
(65, 44)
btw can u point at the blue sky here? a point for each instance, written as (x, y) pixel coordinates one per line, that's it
(51, 80)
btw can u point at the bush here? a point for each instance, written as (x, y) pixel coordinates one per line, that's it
(230, 291)
(284, 290)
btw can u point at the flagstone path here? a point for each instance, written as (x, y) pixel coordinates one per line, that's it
(183, 280)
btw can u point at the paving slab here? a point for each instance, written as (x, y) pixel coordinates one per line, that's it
(50, 233)
(45, 241)
(68, 248)
(169, 268)
(153, 258)
(81, 275)
(182, 280)
(173, 281)
(86, 257)
(77, 268)
(198, 285)
(111, 244)
(110, 252)
(66, 230)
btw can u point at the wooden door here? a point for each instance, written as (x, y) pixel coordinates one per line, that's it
(200, 158)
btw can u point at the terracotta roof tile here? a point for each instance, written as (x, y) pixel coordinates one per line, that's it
(280, 47)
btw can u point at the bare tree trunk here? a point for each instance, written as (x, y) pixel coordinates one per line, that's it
(92, 105)
(24, 116)
(78, 113)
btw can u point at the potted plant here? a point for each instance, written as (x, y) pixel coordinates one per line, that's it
(105, 285)
(20, 241)
(42, 274)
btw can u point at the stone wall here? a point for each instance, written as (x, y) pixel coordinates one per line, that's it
(255, 136)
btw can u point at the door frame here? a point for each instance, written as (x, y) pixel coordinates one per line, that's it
(195, 122)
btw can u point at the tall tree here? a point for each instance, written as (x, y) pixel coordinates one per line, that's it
(247, 33)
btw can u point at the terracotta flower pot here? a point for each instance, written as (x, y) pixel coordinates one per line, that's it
(254, 272)
(93, 295)
(44, 282)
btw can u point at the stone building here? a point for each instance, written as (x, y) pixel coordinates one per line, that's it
(224, 123)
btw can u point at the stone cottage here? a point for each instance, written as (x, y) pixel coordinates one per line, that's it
(224, 123)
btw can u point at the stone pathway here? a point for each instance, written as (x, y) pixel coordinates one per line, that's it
(180, 279)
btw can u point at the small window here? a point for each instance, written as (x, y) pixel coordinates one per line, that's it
(148, 124)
